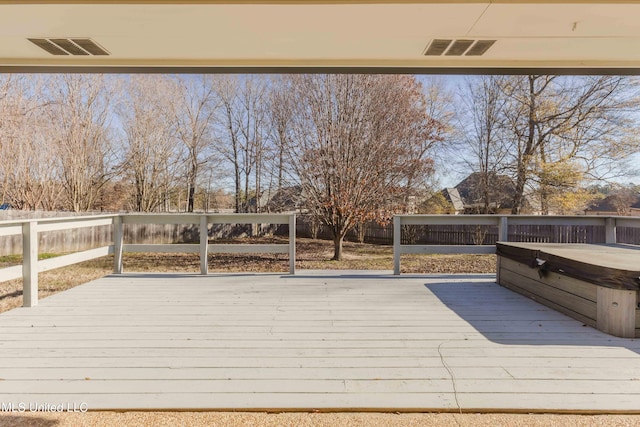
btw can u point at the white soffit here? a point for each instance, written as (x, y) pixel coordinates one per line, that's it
(324, 34)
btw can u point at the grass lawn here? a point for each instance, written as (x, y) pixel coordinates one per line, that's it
(310, 255)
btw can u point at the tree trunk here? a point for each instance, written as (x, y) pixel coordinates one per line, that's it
(361, 231)
(527, 153)
(193, 177)
(192, 191)
(544, 199)
(485, 190)
(280, 167)
(519, 190)
(245, 200)
(337, 247)
(237, 185)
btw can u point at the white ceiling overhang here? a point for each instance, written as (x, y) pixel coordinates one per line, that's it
(588, 36)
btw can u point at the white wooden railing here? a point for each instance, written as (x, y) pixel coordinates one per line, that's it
(500, 221)
(31, 266)
(29, 230)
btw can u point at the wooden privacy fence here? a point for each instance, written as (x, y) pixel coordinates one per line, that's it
(80, 239)
(478, 234)
(452, 233)
(30, 229)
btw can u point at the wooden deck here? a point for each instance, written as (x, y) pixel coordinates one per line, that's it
(326, 341)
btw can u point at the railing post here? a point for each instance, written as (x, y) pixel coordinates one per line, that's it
(204, 245)
(503, 229)
(292, 244)
(117, 244)
(610, 235)
(397, 230)
(30, 264)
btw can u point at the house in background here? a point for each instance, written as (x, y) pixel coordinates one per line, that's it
(286, 199)
(469, 197)
(614, 205)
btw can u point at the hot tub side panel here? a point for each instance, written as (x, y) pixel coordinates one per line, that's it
(573, 297)
(599, 307)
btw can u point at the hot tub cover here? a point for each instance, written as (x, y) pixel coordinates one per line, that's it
(611, 266)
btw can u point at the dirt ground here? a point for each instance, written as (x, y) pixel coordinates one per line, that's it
(258, 419)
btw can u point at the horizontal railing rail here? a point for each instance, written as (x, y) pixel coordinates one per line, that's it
(31, 265)
(502, 222)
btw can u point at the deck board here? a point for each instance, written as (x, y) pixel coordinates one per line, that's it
(341, 341)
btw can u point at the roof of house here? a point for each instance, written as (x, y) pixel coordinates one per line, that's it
(501, 190)
(604, 205)
(608, 204)
(453, 196)
(285, 199)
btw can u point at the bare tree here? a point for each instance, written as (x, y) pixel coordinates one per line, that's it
(255, 130)
(191, 115)
(484, 136)
(27, 177)
(6, 130)
(280, 111)
(229, 133)
(243, 132)
(79, 115)
(151, 155)
(359, 142)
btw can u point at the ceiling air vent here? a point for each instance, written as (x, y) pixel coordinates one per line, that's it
(48, 46)
(90, 46)
(76, 46)
(480, 47)
(462, 47)
(438, 47)
(459, 47)
(69, 46)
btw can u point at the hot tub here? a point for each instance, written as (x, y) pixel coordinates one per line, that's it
(595, 284)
